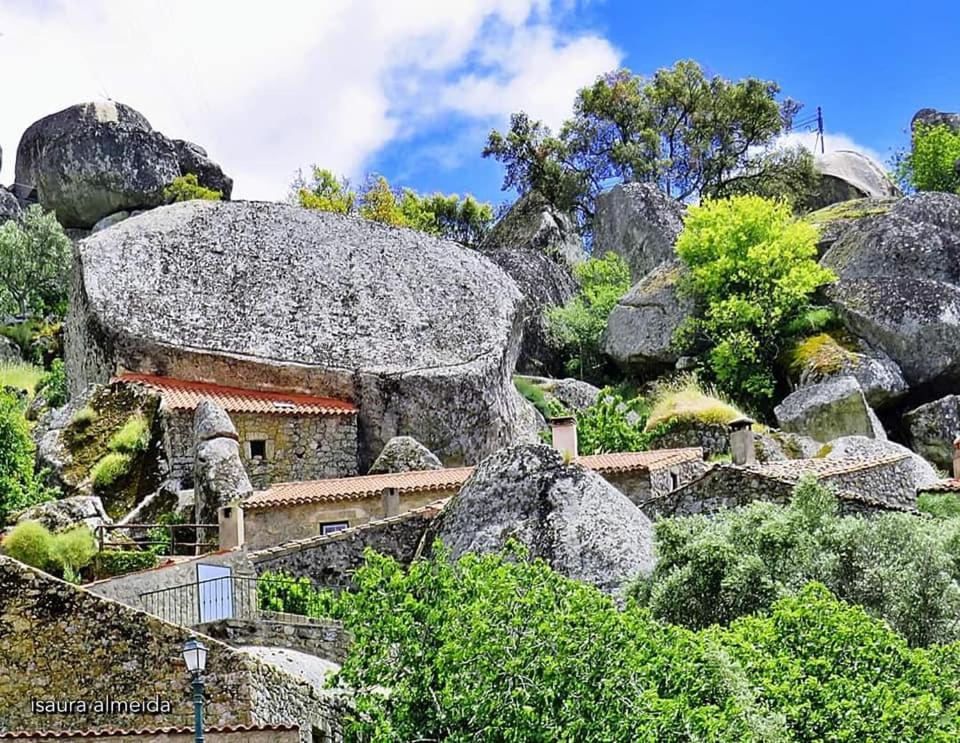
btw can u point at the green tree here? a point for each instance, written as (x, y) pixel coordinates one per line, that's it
(753, 271)
(899, 567)
(187, 187)
(324, 192)
(19, 487)
(931, 165)
(34, 263)
(577, 327)
(379, 203)
(693, 135)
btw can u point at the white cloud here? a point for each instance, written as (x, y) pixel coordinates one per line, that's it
(270, 87)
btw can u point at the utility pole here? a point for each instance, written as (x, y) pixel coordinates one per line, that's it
(820, 129)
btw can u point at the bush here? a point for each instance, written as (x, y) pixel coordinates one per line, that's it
(133, 436)
(939, 505)
(19, 486)
(897, 566)
(109, 563)
(500, 643)
(72, 550)
(83, 417)
(686, 400)
(753, 271)
(54, 384)
(613, 423)
(30, 542)
(549, 408)
(283, 593)
(186, 188)
(577, 327)
(34, 264)
(21, 376)
(111, 468)
(931, 164)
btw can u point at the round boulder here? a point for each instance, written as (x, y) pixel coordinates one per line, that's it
(404, 454)
(9, 206)
(420, 333)
(563, 513)
(846, 175)
(829, 410)
(932, 428)
(533, 224)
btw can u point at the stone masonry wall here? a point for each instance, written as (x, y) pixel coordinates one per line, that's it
(62, 644)
(892, 482)
(324, 638)
(304, 447)
(331, 560)
(640, 487)
(266, 527)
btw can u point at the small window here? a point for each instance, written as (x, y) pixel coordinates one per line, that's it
(674, 481)
(258, 448)
(333, 526)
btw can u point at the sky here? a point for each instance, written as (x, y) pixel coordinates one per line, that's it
(411, 88)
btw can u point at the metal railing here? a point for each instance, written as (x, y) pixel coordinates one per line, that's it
(196, 540)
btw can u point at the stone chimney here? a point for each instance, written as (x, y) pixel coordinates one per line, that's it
(564, 432)
(231, 526)
(956, 457)
(391, 502)
(742, 450)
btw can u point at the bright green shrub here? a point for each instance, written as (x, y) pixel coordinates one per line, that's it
(548, 408)
(73, 550)
(282, 592)
(753, 270)
(21, 376)
(111, 468)
(897, 566)
(578, 326)
(133, 436)
(29, 542)
(109, 563)
(54, 384)
(613, 423)
(686, 400)
(187, 187)
(939, 505)
(931, 163)
(19, 487)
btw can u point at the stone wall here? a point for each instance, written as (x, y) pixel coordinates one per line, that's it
(331, 560)
(62, 645)
(183, 734)
(641, 486)
(266, 527)
(299, 447)
(891, 482)
(713, 439)
(324, 638)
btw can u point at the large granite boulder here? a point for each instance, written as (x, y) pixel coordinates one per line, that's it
(95, 159)
(639, 333)
(829, 410)
(544, 283)
(421, 333)
(574, 394)
(219, 477)
(404, 454)
(933, 117)
(862, 447)
(60, 515)
(638, 222)
(9, 206)
(563, 513)
(194, 159)
(533, 224)
(932, 428)
(847, 175)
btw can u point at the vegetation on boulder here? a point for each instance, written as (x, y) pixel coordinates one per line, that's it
(187, 187)
(931, 164)
(20, 486)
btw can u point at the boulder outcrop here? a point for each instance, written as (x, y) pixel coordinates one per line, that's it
(847, 175)
(563, 513)
(640, 328)
(219, 477)
(933, 117)
(533, 224)
(829, 410)
(421, 333)
(932, 428)
(638, 222)
(404, 454)
(60, 515)
(95, 159)
(9, 206)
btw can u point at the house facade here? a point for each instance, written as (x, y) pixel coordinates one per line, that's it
(283, 436)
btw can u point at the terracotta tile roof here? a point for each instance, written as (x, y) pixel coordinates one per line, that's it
(178, 394)
(422, 481)
(951, 485)
(793, 469)
(138, 732)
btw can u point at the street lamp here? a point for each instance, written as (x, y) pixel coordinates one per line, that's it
(195, 656)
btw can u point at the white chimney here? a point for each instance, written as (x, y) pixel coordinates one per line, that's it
(742, 450)
(391, 502)
(231, 526)
(956, 457)
(564, 431)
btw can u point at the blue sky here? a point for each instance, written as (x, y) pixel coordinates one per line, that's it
(411, 89)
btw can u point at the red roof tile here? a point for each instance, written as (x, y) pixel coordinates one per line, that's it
(951, 485)
(178, 394)
(423, 481)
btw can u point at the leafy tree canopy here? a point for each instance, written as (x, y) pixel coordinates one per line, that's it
(19, 487)
(187, 187)
(34, 264)
(465, 220)
(931, 165)
(693, 135)
(753, 271)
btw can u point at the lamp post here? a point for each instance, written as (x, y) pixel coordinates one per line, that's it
(195, 656)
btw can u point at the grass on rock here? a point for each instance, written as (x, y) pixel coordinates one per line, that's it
(20, 375)
(686, 400)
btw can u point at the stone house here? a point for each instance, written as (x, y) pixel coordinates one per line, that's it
(863, 485)
(283, 435)
(298, 510)
(104, 665)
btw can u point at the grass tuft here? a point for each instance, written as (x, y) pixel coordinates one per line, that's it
(685, 399)
(83, 417)
(132, 437)
(110, 469)
(21, 376)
